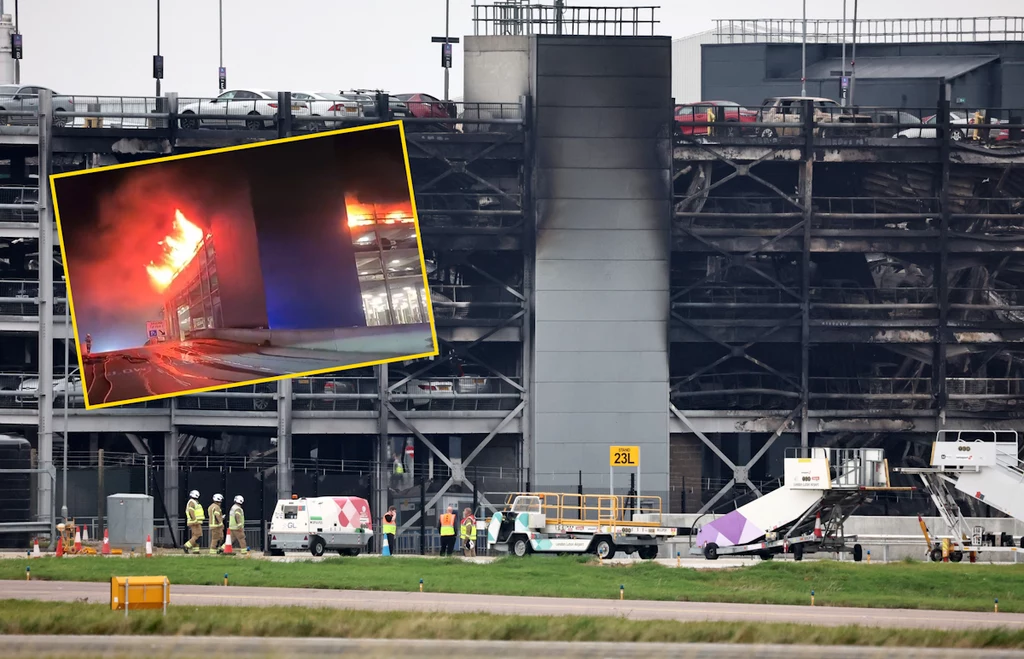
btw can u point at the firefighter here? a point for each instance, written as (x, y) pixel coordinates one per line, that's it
(446, 527)
(194, 517)
(468, 533)
(236, 525)
(389, 527)
(88, 344)
(216, 524)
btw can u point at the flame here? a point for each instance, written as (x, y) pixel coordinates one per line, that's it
(362, 214)
(179, 248)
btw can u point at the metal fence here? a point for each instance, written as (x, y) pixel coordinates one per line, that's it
(519, 17)
(870, 30)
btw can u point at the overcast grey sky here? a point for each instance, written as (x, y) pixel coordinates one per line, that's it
(106, 46)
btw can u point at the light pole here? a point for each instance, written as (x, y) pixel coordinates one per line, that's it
(842, 79)
(17, 62)
(67, 347)
(803, 56)
(853, 55)
(446, 45)
(158, 64)
(222, 73)
(446, 48)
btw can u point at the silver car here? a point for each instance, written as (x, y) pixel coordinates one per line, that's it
(235, 108)
(328, 104)
(18, 98)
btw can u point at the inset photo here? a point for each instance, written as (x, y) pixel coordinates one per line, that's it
(245, 264)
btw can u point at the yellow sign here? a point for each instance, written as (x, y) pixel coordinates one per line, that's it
(625, 456)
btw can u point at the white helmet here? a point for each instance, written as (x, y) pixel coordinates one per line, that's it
(194, 494)
(239, 499)
(218, 497)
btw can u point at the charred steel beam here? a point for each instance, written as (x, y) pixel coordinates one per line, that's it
(942, 269)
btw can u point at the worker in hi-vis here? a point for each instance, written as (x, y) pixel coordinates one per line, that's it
(468, 533)
(236, 524)
(194, 517)
(216, 524)
(390, 528)
(446, 528)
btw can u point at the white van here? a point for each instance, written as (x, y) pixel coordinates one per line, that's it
(341, 524)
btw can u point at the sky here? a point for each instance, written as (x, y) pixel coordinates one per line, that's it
(112, 220)
(105, 47)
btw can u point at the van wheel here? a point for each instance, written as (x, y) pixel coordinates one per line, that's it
(317, 546)
(348, 552)
(520, 546)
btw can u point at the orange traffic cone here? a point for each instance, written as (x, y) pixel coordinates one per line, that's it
(227, 544)
(817, 526)
(78, 539)
(106, 543)
(60, 545)
(149, 547)
(35, 549)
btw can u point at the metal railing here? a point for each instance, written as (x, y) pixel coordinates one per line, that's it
(519, 17)
(20, 297)
(451, 302)
(871, 30)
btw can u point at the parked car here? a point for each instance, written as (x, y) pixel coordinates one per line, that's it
(235, 109)
(426, 388)
(959, 128)
(367, 100)
(328, 104)
(28, 390)
(786, 110)
(688, 114)
(26, 98)
(425, 106)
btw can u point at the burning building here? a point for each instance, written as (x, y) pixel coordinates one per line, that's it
(210, 278)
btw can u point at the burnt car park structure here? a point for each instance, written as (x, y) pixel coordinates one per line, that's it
(711, 298)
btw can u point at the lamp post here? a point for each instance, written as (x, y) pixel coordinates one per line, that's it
(222, 73)
(842, 97)
(158, 60)
(67, 347)
(853, 55)
(446, 48)
(803, 56)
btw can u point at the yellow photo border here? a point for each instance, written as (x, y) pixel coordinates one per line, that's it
(183, 156)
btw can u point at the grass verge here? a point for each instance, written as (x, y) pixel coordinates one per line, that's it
(30, 617)
(911, 585)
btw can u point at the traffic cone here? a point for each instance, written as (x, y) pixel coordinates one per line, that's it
(78, 539)
(35, 549)
(85, 534)
(227, 545)
(106, 543)
(817, 525)
(386, 551)
(60, 545)
(149, 547)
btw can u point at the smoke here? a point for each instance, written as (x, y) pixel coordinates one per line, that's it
(113, 294)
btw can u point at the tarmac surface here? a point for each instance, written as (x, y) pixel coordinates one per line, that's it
(67, 591)
(158, 647)
(169, 368)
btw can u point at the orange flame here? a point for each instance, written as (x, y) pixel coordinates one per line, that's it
(179, 248)
(362, 214)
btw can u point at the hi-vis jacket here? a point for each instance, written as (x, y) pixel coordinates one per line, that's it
(194, 512)
(216, 516)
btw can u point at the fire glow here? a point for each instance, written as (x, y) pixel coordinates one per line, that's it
(361, 214)
(179, 247)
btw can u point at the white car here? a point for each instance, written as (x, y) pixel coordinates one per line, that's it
(327, 104)
(28, 390)
(959, 128)
(235, 108)
(427, 388)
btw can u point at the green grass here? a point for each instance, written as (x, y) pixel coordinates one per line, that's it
(914, 585)
(29, 617)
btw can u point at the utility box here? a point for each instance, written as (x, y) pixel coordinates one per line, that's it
(129, 520)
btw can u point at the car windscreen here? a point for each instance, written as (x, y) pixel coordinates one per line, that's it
(9, 90)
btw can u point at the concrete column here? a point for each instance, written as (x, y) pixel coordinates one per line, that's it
(382, 475)
(45, 393)
(284, 439)
(171, 495)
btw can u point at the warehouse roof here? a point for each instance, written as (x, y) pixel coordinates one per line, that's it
(921, 66)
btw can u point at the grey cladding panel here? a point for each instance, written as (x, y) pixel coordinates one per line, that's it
(600, 428)
(597, 244)
(601, 306)
(603, 184)
(562, 275)
(601, 397)
(625, 91)
(612, 153)
(575, 335)
(641, 60)
(625, 214)
(625, 367)
(600, 122)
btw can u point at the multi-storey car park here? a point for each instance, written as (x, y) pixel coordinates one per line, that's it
(713, 298)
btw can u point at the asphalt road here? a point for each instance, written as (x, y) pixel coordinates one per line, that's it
(158, 647)
(67, 591)
(170, 368)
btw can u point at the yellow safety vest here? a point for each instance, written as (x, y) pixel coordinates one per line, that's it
(469, 529)
(389, 526)
(237, 518)
(447, 524)
(216, 518)
(194, 512)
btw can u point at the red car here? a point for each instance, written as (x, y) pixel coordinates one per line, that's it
(725, 111)
(425, 106)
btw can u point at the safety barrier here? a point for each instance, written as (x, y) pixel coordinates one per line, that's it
(139, 593)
